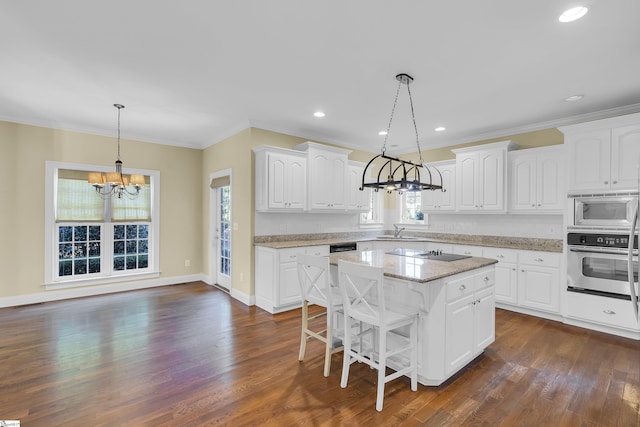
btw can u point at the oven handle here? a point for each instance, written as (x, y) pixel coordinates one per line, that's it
(591, 251)
(632, 286)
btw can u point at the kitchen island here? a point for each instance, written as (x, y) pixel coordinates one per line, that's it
(455, 300)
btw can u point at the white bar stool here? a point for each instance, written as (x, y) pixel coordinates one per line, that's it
(315, 287)
(362, 288)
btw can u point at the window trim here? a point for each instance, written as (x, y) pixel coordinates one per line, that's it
(50, 229)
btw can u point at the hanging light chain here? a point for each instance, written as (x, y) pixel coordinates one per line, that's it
(393, 110)
(413, 117)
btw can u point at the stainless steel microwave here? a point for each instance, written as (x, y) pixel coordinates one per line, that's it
(604, 211)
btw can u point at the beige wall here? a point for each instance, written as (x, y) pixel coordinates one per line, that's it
(23, 152)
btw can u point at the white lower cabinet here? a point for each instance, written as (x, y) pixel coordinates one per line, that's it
(277, 286)
(467, 250)
(469, 318)
(539, 281)
(506, 274)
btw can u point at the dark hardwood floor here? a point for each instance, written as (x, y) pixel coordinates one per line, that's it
(190, 355)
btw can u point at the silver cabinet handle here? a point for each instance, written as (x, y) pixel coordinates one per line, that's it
(533, 205)
(500, 256)
(292, 256)
(606, 182)
(467, 253)
(486, 279)
(615, 182)
(463, 287)
(538, 260)
(607, 311)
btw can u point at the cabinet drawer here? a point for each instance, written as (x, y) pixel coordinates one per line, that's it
(467, 250)
(545, 259)
(485, 280)
(502, 255)
(460, 288)
(289, 254)
(320, 250)
(603, 310)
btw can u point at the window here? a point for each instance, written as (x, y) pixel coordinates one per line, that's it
(374, 215)
(91, 239)
(410, 206)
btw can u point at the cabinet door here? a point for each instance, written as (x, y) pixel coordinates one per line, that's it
(539, 287)
(523, 183)
(467, 182)
(485, 318)
(448, 197)
(297, 183)
(550, 173)
(337, 175)
(506, 283)
(277, 188)
(625, 158)
(491, 196)
(319, 166)
(358, 200)
(589, 160)
(460, 343)
(289, 286)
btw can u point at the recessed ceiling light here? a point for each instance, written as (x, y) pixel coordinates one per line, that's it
(440, 129)
(573, 98)
(318, 114)
(573, 14)
(382, 133)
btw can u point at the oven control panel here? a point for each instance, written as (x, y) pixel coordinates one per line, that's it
(602, 240)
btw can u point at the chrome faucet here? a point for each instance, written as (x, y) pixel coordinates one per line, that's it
(398, 230)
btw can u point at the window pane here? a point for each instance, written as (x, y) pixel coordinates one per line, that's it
(118, 263)
(143, 247)
(412, 206)
(118, 248)
(131, 262)
(65, 234)
(118, 232)
(143, 231)
(73, 255)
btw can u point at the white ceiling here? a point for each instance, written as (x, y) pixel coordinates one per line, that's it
(193, 72)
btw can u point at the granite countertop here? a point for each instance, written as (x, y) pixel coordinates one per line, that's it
(519, 243)
(409, 268)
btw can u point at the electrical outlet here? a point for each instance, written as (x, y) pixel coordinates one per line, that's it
(187, 263)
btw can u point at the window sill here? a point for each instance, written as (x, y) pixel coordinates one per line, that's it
(372, 225)
(77, 283)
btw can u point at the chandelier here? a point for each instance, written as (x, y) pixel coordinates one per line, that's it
(401, 175)
(115, 183)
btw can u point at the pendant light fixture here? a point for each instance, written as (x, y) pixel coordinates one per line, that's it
(396, 174)
(115, 183)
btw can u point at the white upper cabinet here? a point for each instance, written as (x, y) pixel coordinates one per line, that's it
(281, 179)
(328, 176)
(357, 200)
(437, 200)
(537, 180)
(604, 155)
(480, 177)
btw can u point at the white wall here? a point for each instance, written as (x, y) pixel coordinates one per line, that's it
(271, 223)
(542, 226)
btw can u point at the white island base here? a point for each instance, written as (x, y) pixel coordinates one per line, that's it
(456, 319)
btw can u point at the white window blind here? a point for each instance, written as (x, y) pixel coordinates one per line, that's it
(135, 209)
(78, 201)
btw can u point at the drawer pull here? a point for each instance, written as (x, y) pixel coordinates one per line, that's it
(607, 311)
(463, 287)
(292, 256)
(538, 260)
(499, 256)
(486, 279)
(467, 253)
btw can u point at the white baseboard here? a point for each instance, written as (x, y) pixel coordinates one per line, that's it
(243, 298)
(41, 297)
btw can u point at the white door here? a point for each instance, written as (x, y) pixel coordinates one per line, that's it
(221, 229)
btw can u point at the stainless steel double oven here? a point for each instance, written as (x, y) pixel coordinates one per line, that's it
(602, 242)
